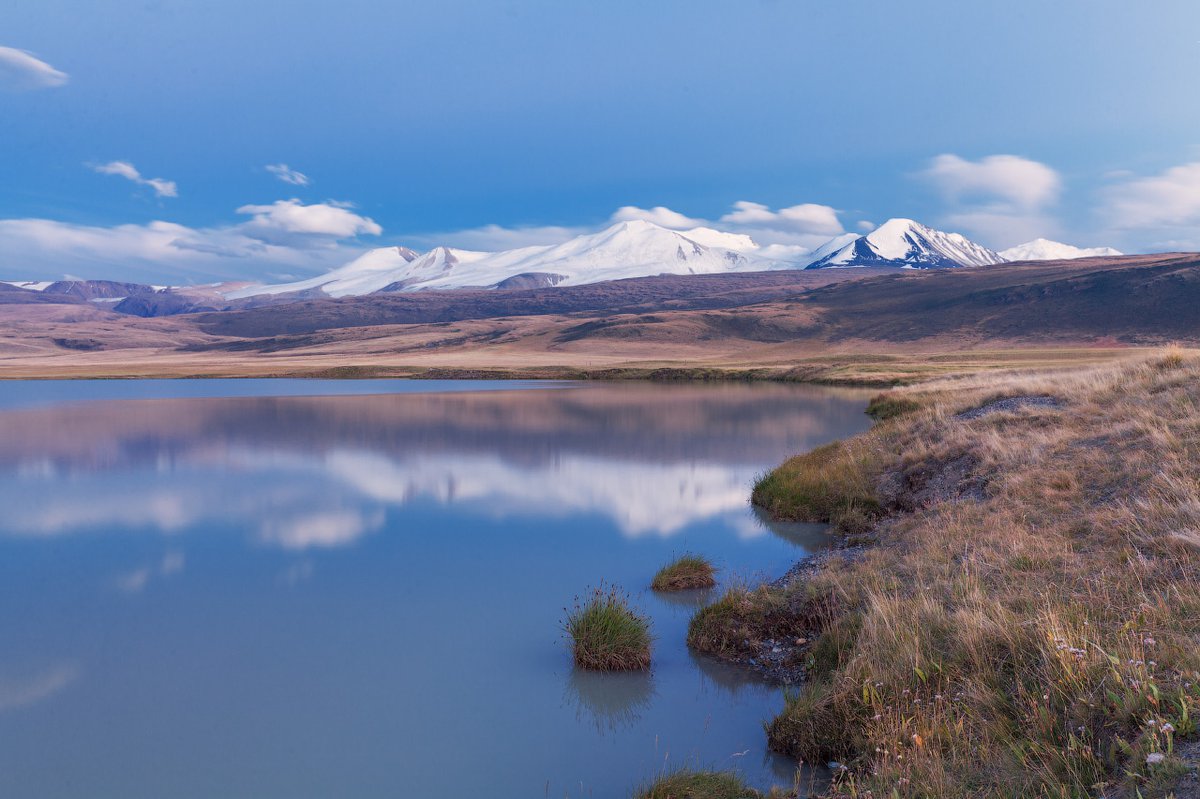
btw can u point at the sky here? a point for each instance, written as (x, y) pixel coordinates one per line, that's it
(183, 141)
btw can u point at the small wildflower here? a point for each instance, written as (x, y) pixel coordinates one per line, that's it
(1154, 758)
(1167, 728)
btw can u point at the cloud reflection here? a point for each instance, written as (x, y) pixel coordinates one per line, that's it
(323, 471)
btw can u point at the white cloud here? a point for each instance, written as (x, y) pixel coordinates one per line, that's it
(22, 71)
(1002, 199)
(323, 529)
(1000, 227)
(866, 226)
(133, 582)
(806, 218)
(805, 226)
(659, 215)
(288, 175)
(292, 217)
(29, 690)
(495, 237)
(1170, 199)
(161, 251)
(124, 169)
(1009, 178)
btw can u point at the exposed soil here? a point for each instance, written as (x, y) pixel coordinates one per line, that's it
(1010, 404)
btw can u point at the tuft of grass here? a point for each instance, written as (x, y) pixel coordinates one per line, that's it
(689, 784)
(833, 483)
(889, 405)
(743, 617)
(607, 634)
(1171, 357)
(688, 571)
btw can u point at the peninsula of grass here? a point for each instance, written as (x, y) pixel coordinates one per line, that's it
(607, 634)
(834, 483)
(688, 784)
(686, 572)
(1028, 623)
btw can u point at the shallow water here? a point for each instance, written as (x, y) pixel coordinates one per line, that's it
(295, 596)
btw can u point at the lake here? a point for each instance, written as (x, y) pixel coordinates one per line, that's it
(286, 588)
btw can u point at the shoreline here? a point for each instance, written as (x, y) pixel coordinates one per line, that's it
(860, 369)
(982, 526)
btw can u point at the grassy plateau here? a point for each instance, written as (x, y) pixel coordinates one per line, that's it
(1027, 620)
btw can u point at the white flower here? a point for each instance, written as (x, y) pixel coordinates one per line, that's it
(1154, 758)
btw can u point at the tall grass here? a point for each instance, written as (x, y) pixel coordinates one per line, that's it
(685, 572)
(607, 634)
(1041, 639)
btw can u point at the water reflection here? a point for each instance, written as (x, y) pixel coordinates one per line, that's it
(810, 537)
(335, 464)
(360, 595)
(609, 702)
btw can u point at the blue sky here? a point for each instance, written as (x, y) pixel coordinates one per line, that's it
(133, 132)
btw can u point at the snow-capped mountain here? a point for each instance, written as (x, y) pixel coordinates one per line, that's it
(908, 244)
(627, 249)
(1046, 250)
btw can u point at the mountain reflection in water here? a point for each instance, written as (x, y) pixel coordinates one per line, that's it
(362, 595)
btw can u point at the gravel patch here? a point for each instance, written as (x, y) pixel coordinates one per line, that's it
(1010, 404)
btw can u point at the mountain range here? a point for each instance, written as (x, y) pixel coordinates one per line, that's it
(628, 249)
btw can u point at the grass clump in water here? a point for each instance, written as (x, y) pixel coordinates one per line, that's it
(688, 784)
(688, 571)
(607, 634)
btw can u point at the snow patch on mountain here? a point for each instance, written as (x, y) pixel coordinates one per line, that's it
(1047, 250)
(908, 244)
(634, 248)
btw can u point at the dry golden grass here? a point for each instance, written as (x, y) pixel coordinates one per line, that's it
(1038, 635)
(684, 573)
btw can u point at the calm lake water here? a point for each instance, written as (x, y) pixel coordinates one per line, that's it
(242, 589)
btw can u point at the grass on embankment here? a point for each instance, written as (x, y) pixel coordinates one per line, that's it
(1029, 624)
(688, 784)
(685, 572)
(833, 483)
(607, 634)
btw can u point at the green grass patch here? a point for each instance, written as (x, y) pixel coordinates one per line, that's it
(742, 617)
(833, 483)
(607, 634)
(687, 784)
(889, 406)
(688, 571)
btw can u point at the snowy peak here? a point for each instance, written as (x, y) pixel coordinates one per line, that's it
(908, 244)
(1047, 250)
(629, 249)
(634, 248)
